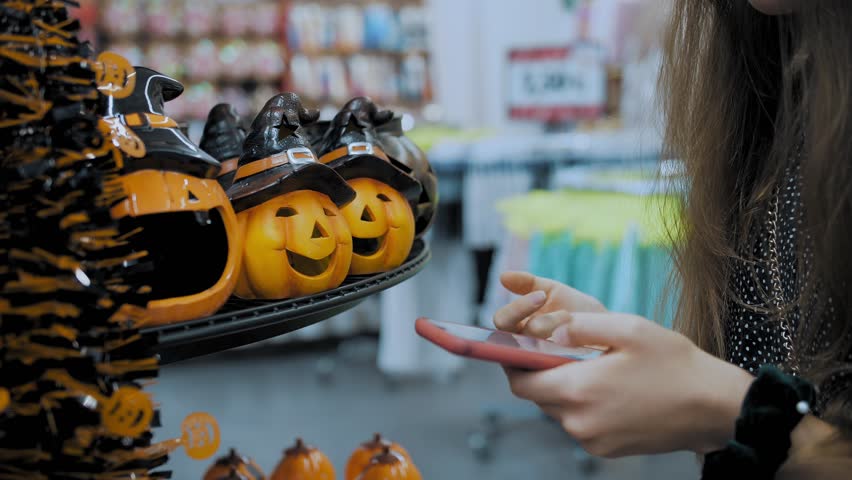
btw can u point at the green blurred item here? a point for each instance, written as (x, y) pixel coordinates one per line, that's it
(613, 246)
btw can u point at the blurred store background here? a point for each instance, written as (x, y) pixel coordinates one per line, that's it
(539, 118)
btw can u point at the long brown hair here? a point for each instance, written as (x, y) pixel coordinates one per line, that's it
(744, 93)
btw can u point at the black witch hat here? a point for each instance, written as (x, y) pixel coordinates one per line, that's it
(278, 159)
(350, 147)
(166, 146)
(408, 157)
(223, 139)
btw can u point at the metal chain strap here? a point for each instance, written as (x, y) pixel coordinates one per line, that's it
(776, 285)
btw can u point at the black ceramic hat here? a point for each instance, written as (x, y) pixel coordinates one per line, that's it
(166, 146)
(407, 156)
(315, 132)
(223, 139)
(351, 148)
(278, 159)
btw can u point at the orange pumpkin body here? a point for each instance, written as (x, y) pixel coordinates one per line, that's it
(296, 244)
(390, 465)
(382, 226)
(361, 457)
(234, 462)
(303, 462)
(160, 198)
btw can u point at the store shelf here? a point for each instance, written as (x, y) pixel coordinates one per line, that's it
(241, 322)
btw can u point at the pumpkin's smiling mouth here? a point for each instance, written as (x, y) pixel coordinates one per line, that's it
(309, 266)
(367, 246)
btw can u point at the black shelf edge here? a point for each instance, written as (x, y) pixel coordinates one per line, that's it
(242, 322)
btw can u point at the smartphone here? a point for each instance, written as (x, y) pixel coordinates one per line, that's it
(508, 349)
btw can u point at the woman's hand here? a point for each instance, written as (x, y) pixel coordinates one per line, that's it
(654, 391)
(536, 312)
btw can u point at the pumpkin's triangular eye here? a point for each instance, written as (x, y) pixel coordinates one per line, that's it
(192, 197)
(328, 213)
(318, 232)
(286, 212)
(383, 197)
(367, 215)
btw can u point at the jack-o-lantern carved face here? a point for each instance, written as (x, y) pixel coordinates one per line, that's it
(382, 226)
(173, 206)
(189, 228)
(295, 244)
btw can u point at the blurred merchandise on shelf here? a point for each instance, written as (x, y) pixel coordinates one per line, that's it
(244, 51)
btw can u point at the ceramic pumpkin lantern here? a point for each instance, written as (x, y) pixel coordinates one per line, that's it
(223, 139)
(361, 457)
(297, 241)
(408, 157)
(234, 462)
(180, 213)
(390, 465)
(303, 462)
(380, 218)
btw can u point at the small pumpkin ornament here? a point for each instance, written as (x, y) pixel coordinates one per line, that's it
(390, 465)
(223, 139)
(177, 211)
(361, 457)
(380, 218)
(243, 466)
(297, 241)
(303, 462)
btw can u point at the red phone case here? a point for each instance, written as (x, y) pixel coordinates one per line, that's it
(502, 354)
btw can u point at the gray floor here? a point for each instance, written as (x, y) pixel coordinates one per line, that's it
(336, 399)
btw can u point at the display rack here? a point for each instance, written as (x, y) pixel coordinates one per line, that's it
(241, 322)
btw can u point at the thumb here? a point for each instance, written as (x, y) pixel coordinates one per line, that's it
(614, 330)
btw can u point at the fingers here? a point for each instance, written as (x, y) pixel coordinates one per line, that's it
(609, 329)
(557, 386)
(523, 283)
(509, 317)
(543, 326)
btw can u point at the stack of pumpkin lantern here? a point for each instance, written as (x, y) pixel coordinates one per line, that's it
(317, 202)
(290, 208)
(377, 459)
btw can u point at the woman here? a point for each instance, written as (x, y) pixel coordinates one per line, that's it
(759, 106)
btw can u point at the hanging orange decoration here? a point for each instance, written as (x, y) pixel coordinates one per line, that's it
(127, 412)
(200, 435)
(361, 457)
(114, 75)
(5, 399)
(303, 462)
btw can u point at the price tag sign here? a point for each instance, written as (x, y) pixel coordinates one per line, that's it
(556, 84)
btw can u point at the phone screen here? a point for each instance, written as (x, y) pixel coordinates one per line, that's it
(497, 337)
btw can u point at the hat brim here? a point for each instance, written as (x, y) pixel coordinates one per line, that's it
(370, 166)
(261, 187)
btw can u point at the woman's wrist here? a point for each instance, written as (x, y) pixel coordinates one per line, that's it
(719, 394)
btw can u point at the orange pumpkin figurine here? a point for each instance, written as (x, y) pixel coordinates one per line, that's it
(177, 210)
(390, 465)
(243, 466)
(297, 241)
(360, 458)
(380, 218)
(303, 462)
